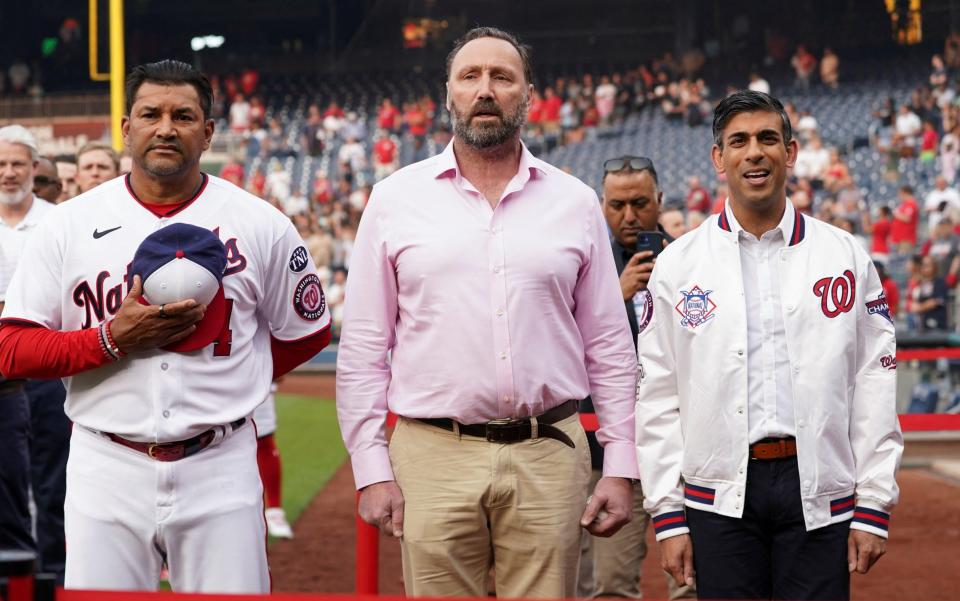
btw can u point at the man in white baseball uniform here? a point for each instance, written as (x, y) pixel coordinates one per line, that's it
(163, 456)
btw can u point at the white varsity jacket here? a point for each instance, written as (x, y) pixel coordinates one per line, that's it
(691, 410)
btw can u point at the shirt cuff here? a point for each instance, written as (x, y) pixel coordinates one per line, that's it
(620, 460)
(670, 523)
(869, 517)
(371, 466)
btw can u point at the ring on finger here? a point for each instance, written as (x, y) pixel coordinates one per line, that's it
(163, 313)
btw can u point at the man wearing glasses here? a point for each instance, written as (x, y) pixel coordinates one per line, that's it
(631, 205)
(46, 181)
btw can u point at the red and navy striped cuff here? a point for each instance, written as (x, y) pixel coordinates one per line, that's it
(669, 521)
(699, 494)
(841, 506)
(872, 517)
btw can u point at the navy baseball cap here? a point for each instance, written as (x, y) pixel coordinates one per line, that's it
(179, 262)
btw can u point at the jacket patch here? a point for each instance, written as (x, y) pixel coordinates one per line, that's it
(644, 317)
(888, 362)
(695, 307)
(836, 294)
(699, 494)
(879, 307)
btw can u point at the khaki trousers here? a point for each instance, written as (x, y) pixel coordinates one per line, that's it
(610, 567)
(471, 505)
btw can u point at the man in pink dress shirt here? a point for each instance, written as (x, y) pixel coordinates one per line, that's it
(482, 302)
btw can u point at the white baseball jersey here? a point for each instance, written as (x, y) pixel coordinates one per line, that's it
(13, 238)
(74, 273)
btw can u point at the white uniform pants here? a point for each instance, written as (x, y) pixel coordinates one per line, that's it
(126, 512)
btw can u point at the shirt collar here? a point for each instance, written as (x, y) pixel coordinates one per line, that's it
(37, 209)
(791, 226)
(446, 165)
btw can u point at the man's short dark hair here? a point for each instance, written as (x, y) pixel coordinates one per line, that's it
(170, 73)
(906, 189)
(492, 32)
(748, 101)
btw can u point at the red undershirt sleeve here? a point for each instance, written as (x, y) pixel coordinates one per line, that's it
(287, 355)
(33, 351)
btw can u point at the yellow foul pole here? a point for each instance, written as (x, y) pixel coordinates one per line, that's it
(117, 71)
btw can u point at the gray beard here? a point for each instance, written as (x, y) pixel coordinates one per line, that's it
(14, 198)
(488, 136)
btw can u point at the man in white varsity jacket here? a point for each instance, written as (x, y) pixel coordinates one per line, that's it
(767, 432)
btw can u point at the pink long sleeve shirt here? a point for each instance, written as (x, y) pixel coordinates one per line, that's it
(454, 309)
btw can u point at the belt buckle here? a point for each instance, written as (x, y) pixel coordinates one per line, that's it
(159, 452)
(497, 430)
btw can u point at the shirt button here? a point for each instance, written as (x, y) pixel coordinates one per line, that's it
(164, 366)
(801, 423)
(503, 355)
(790, 307)
(166, 413)
(740, 410)
(740, 352)
(806, 484)
(506, 398)
(496, 269)
(740, 471)
(808, 505)
(737, 506)
(499, 312)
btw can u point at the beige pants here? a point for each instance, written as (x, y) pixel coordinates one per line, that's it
(472, 504)
(610, 567)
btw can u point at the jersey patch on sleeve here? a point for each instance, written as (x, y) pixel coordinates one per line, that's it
(879, 307)
(308, 299)
(299, 259)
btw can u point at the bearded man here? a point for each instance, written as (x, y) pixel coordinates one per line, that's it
(486, 275)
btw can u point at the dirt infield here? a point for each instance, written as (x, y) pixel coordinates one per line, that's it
(922, 561)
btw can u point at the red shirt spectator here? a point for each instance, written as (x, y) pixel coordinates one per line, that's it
(698, 199)
(333, 110)
(385, 151)
(591, 117)
(233, 173)
(249, 80)
(416, 120)
(322, 190)
(535, 111)
(903, 230)
(257, 183)
(880, 237)
(387, 117)
(551, 106)
(892, 293)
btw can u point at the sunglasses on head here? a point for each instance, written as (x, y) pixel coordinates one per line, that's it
(634, 163)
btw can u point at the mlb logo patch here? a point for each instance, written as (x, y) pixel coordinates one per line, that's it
(695, 307)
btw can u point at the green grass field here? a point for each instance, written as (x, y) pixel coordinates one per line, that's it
(310, 448)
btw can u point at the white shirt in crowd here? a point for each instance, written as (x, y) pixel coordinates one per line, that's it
(935, 198)
(240, 115)
(13, 238)
(812, 162)
(759, 85)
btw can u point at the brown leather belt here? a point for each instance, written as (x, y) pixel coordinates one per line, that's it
(513, 430)
(773, 448)
(173, 451)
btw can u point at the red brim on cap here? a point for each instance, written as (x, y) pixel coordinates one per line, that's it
(208, 329)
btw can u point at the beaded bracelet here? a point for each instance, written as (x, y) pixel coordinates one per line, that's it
(104, 345)
(111, 344)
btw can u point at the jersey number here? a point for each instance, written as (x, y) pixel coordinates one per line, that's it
(223, 342)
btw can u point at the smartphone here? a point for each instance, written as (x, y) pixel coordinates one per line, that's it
(652, 241)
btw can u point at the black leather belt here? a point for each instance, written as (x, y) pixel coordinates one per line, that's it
(173, 451)
(510, 429)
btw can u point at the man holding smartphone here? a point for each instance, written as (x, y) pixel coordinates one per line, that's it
(631, 204)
